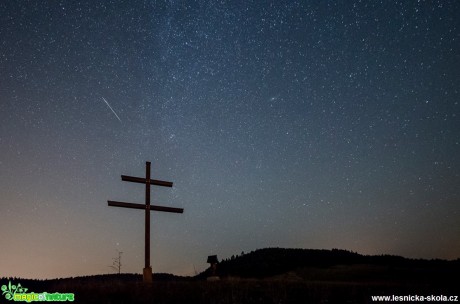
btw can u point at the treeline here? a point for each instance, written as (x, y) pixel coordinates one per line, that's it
(274, 261)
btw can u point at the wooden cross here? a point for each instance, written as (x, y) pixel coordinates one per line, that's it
(147, 207)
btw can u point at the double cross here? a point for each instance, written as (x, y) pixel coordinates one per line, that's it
(147, 207)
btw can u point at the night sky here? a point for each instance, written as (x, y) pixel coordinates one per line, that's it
(312, 124)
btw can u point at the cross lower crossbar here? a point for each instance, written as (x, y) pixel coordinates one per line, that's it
(142, 206)
(142, 180)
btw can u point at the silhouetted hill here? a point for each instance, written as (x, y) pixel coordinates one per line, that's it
(270, 262)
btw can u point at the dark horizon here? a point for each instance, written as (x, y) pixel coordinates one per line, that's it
(378, 259)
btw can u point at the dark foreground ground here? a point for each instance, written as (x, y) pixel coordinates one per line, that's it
(332, 285)
(247, 291)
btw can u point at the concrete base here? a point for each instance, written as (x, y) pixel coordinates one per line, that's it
(148, 277)
(213, 278)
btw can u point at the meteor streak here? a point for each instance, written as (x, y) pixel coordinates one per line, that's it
(106, 102)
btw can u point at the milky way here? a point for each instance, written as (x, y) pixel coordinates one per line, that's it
(312, 124)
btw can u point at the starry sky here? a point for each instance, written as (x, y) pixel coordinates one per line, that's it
(303, 124)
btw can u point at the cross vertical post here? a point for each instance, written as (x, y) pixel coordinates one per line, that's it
(147, 215)
(147, 272)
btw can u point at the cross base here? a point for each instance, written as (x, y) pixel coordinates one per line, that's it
(148, 278)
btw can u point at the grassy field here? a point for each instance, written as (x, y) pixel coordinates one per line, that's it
(245, 291)
(349, 286)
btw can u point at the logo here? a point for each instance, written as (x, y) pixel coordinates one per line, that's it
(19, 294)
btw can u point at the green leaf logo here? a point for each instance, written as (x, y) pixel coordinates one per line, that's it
(10, 290)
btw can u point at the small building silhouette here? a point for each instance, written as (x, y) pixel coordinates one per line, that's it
(212, 259)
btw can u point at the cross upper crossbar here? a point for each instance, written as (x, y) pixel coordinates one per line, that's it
(142, 180)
